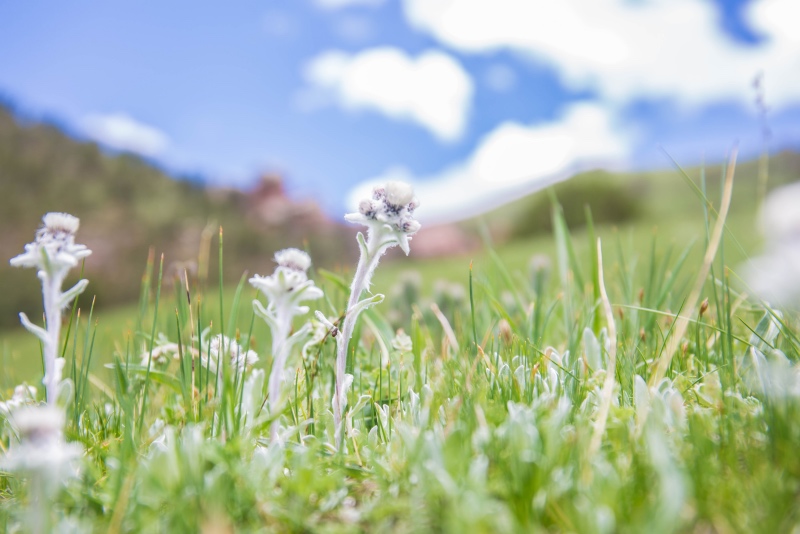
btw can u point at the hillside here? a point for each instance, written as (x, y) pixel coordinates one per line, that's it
(126, 205)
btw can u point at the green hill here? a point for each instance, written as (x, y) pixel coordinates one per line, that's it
(126, 205)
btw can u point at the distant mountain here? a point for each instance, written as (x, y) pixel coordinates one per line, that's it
(126, 205)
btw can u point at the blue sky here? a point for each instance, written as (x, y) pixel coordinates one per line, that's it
(468, 99)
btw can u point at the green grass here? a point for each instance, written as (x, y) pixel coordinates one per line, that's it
(454, 436)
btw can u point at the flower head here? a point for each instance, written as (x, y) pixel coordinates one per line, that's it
(402, 342)
(289, 284)
(163, 349)
(23, 395)
(390, 211)
(42, 446)
(293, 259)
(54, 249)
(221, 346)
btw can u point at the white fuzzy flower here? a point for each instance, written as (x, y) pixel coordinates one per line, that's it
(318, 331)
(285, 290)
(23, 395)
(42, 446)
(389, 214)
(226, 348)
(54, 253)
(294, 259)
(54, 249)
(163, 349)
(402, 342)
(289, 284)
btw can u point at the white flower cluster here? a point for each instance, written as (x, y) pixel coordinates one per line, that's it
(41, 449)
(775, 276)
(54, 249)
(390, 212)
(289, 284)
(162, 351)
(223, 347)
(24, 395)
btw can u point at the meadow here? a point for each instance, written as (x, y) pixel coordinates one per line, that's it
(604, 378)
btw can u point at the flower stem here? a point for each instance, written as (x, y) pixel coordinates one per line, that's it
(51, 293)
(364, 269)
(279, 346)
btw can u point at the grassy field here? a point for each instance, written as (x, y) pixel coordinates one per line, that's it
(524, 400)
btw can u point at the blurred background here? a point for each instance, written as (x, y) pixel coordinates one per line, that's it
(156, 123)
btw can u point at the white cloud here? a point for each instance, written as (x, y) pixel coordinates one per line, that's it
(511, 160)
(339, 4)
(432, 90)
(121, 132)
(624, 50)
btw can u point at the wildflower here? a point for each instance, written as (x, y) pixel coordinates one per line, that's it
(402, 342)
(285, 289)
(389, 214)
(54, 252)
(221, 347)
(389, 218)
(162, 350)
(42, 451)
(319, 330)
(23, 395)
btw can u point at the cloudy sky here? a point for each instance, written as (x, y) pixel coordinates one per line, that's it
(472, 100)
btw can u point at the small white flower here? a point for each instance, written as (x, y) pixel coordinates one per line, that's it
(289, 284)
(389, 214)
(402, 342)
(42, 447)
(222, 346)
(319, 330)
(53, 253)
(54, 249)
(162, 350)
(399, 193)
(24, 395)
(294, 259)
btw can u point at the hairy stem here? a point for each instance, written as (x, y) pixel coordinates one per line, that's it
(366, 266)
(51, 292)
(279, 353)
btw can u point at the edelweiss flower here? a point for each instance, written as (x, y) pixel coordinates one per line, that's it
(23, 395)
(42, 446)
(289, 284)
(161, 351)
(238, 356)
(389, 213)
(54, 249)
(402, 342)
(285, 289)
